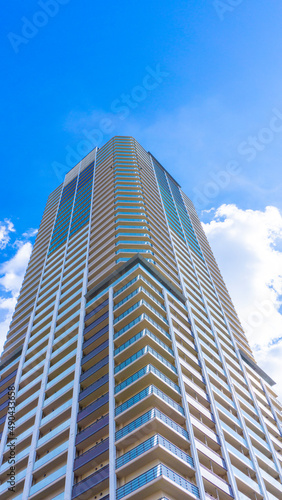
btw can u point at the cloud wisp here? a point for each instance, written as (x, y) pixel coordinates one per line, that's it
(6, 227)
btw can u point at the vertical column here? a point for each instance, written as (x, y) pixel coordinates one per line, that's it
(112, 449)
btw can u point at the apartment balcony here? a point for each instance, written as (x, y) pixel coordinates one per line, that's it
(4, 491)
(217, 482)
(50, 460)
(93, 410)
(21, 460)
(226, 415)
(8, 378)
(100, 369)
(233, 437)
(52, 438)
(94, 390)
(238, 458)
(196, 407)
(158, 478)
(93, 432)
(258, 442)
(92, 457)
(53, 480)
(142, 339)
(155, 448)
(246, 484)
(152, 421)
(134, 327)
(201, 429)
(208, 455)
(151, 396)
(92, 484)
(141, 293)
(141, 358)
(98, 353)
(265, 460)
(273, 484)
(98, 336)
(95, 310)
(193, 372)
(192, 388)
(144, 377)
(101, 322)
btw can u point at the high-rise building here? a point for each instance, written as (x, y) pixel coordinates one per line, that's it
(126, 373)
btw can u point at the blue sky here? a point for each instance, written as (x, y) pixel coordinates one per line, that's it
(201, 86)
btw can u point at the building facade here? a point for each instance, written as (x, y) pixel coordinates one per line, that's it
(126, 373)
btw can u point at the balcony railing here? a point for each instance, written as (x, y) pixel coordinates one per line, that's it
(93, 387)
(95, 337)
(140, 335)
(138, 354)
(92, 455)
(96, 322)
(95, 352)
(90, 482)
(152, 474)
(150, 443)
(146, 417)
(151, 389)
(92, 429)
(94, 368)
(101, 401)
(48, 480)
(147, 369)
(96, 309)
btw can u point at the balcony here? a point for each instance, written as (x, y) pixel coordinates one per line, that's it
(143, 399)
(139, 358)
(95, 323)
(238, 458)
(210, 454)
(155, 448)
(101, 365)
(96, 310)
(152, 420)
(200, 429)
(218, 482)
(92, 340)
(95, 455)
(7, 378)
(97, 353)
(196, 407)
(272, 484)
(97, 388)
(92, 433)
(245, 482)
(47, 481)
(151, 481)
(91, 484)
(92, 409)
(147, 375)
(52, 455)
(144, 337)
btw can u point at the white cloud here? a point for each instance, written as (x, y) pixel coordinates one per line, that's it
(6, 227)
(30, 233)
(13, 270)
(246, 247)
(11, 276)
